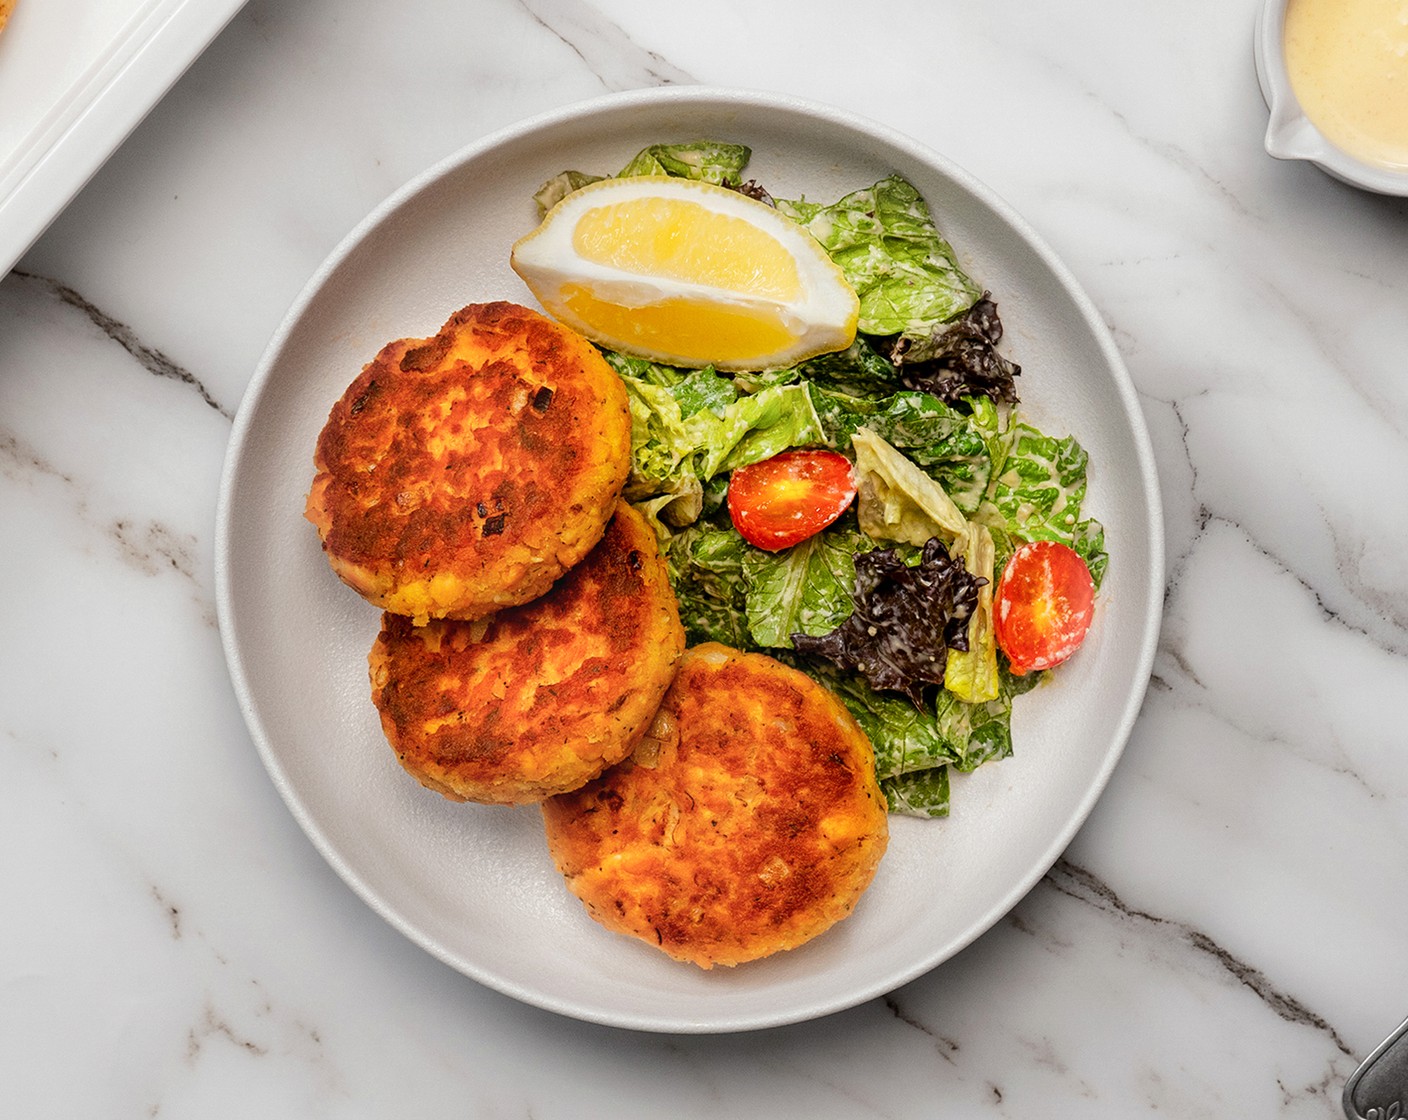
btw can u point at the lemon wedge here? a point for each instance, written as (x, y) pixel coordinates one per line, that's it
(687, 273)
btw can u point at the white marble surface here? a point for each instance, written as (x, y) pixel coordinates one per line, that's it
(1226, 936)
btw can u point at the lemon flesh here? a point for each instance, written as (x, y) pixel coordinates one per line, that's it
(692, 332)
(687, 273)
(680, 240)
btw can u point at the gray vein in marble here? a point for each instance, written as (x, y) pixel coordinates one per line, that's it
(1386, 608)
(1176, 156)
(1253, 734)
(618, 62)
(1082, 885)
(842, 1088)
(699, 1060)
(151, 359)
(1126, 341)
(1324, 341)
(1328, 1089)
(1172, 154)
(1044, 1056)
(18, 742)
(268, 1032)
(1176, 406)
(151, 547)
(18, 460)
(1342, 767)
(1177, 656)
(1394, 611)
(213, 1025)
(946, 1047)
(1387, 611)
(173, 913)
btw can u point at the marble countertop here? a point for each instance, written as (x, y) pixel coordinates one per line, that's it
(1226, 934)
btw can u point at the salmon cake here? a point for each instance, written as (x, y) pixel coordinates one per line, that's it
(537, 699)
(465, 473)
(748, 821)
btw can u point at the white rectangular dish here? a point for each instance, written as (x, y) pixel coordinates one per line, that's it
(76, 76)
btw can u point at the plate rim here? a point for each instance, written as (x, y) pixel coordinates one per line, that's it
(732, 98)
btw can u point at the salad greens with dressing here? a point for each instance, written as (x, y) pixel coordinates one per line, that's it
(896, 595)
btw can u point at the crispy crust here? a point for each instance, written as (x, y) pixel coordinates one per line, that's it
(465, 473)
(748, 821)
(540, 698)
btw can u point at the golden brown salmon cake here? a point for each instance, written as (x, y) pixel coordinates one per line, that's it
(466, 472)
(748, 820)
(537, 699)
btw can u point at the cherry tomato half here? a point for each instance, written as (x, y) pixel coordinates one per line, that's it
(786, 499)
(1042, 606)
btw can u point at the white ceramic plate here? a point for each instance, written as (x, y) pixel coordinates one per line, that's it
(76, 76)
(473, 884)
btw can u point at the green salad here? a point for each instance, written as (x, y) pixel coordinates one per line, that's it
(890, 605)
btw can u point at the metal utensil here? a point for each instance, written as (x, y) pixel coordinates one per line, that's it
(1378, 1089)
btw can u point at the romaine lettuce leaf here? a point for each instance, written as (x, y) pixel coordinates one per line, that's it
(987, 421)
(896, 501)
(709, 161)
(905, 738)
(1089, 541)
(860, 370)
(884, 239)
(757, 427)
(559, 187)
(924, 793)
(910, 741)
(1038, 492)
(705, 565)
(687, 429)
(643, 369)
(693, 389)
(682, 504)
(805, 589)
(971, 674)
(1042, 485)
(981, 732)
(951, 446)
(704, 389)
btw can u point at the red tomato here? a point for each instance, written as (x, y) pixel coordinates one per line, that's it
(783, 500)
(1042, 606)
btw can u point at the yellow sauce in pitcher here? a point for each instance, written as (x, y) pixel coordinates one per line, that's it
(1348, 65)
